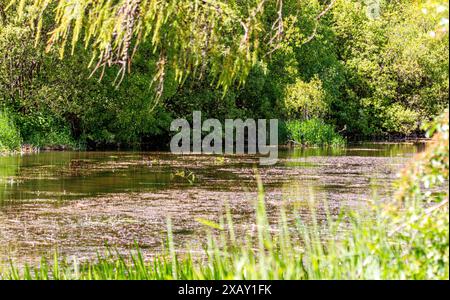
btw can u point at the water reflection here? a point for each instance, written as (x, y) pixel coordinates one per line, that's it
(72, 175)
(77, 201)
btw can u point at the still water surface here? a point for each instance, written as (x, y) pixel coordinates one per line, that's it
(77, 202)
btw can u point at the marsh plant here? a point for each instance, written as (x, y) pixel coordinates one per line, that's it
(313, 132)
(10, 139)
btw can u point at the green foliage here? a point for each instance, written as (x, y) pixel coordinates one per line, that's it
(55, 103)
(10, 139)
(313, 132)
(187, 36)
(430, 169)
(32, 91)
(41, 129)
(420, 214)
(305, 100)
(400, 119)
(396, 65)
(373, 77)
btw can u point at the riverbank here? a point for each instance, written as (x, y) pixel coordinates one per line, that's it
(29, 149)
(24, 149)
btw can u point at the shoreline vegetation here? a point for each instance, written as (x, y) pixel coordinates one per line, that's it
(406, 237)
(295, 133)
(29, 149)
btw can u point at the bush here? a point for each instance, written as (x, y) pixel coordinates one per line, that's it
(430, 169)
(396, 66)
(41, 129)
(9, 135)
(419, 215)
(313, 132)
(305, 100)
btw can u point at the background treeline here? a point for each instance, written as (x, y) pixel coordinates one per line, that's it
(364, 78)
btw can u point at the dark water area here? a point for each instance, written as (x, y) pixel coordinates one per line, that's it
(77, 202)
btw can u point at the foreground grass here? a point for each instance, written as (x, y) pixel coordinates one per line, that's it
(369, 249)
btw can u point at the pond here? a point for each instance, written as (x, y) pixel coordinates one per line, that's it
(78, 202)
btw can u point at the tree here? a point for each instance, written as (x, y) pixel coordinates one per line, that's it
(225, 37)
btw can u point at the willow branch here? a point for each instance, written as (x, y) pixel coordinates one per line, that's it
(317, 19)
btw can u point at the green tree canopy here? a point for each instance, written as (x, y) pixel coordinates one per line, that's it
(224, 37)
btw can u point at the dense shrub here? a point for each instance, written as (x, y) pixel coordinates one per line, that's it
(396, 65)
(56, 103)
(430, 169)
(305, 100)
(9, 136)
(419, 215)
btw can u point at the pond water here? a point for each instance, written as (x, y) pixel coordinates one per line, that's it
(77, 202)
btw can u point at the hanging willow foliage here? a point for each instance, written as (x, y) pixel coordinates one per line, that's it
(189, 36)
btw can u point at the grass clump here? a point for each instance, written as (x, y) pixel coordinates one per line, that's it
(313, 132)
